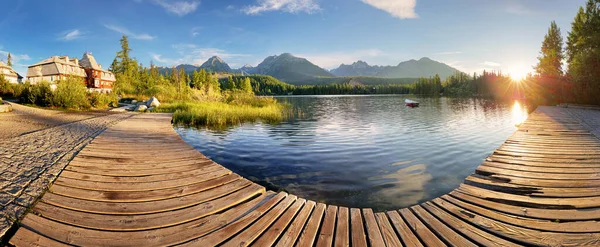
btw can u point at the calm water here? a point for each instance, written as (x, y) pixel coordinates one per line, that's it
(365, 151)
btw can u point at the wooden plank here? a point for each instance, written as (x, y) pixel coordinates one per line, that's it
(342, 229)
(545, 225)
(387, 231)
(310, 231)
(246, 237)
(138, 186)
(133, 208)
(583, 202)
(229, 230)
(327, 232)
(269, 237)
(407, 236)
(549, 214)
(25, 237)
(142, 178)
(145, 221)
(359, 238)
(449, 235)
(520, 234)
(373, 232)
(513, 188)
(473, 233)
(420, 229)
(158, 237)
(142, 196)
(295, 228)
(542, 169)
(543, 175)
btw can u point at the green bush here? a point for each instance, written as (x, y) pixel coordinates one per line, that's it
(102, 100)
(71, 94)
(38, 94)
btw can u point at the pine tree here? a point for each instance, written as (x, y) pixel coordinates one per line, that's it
(551, 55)
(583, 51)
(245, 85)
(9, 60)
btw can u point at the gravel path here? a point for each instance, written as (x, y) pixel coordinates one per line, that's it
(31, 157)
(25, 120)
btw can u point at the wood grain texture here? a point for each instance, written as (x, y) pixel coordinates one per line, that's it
(541, 187)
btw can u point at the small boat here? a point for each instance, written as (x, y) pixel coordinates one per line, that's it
(411, 103)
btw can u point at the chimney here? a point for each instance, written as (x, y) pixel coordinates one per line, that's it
(76, 61)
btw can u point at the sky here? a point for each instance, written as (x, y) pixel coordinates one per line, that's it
(470, 35)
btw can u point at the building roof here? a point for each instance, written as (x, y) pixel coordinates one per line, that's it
(56, 65)
(7, 70)
(88, 61)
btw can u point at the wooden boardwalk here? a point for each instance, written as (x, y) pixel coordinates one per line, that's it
(139, 184)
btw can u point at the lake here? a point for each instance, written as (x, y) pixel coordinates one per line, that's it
(365, 151)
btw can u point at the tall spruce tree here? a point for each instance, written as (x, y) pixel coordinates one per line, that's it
(551, 55)
(9, 60)
(583, 52)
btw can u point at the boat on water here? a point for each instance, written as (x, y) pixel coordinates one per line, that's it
(411, 103)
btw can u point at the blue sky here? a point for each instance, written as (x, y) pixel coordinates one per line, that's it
(470, 35)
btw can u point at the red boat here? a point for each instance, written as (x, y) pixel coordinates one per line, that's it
(411, 103)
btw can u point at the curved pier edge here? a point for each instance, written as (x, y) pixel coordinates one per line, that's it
(140, 184)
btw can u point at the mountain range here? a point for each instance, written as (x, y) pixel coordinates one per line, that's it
(296, 70)
(423, 67)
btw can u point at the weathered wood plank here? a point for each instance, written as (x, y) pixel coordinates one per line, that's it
(359, 238)
(269, 237)
(420, 229)
(246, 237)
(387, 231)
(327, 232)
(449, 235)
(294, 230)
(473, 233)
(373, 232)
(407, 236)
(342, 229)
(312, 227)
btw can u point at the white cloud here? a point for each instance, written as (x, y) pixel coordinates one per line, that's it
(179, 8)
(449, 53)
(291, 6)
(491, 64)
(192, 54)
(130, 34)
(334, 59)
(403, 9)
(71, 35)
(17, 60)
(15, 57)
(195, 31)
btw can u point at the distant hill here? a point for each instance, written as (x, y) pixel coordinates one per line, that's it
(290, 69)
(216, 64)
(423, 67)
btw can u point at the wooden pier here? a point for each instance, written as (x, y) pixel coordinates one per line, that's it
(139, 184)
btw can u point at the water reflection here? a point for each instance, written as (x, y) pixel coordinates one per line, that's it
(365, 151)
(519, 113)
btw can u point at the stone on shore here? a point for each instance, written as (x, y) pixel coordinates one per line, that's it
(153, 102)
(5, 108)
(141, 108)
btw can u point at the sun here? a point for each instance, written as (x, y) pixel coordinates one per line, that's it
(518, 72)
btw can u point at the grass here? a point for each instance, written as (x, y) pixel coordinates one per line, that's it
(218, 115)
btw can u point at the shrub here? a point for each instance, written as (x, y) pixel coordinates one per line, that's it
(102, 100)
(37, 94)
(71, 94)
